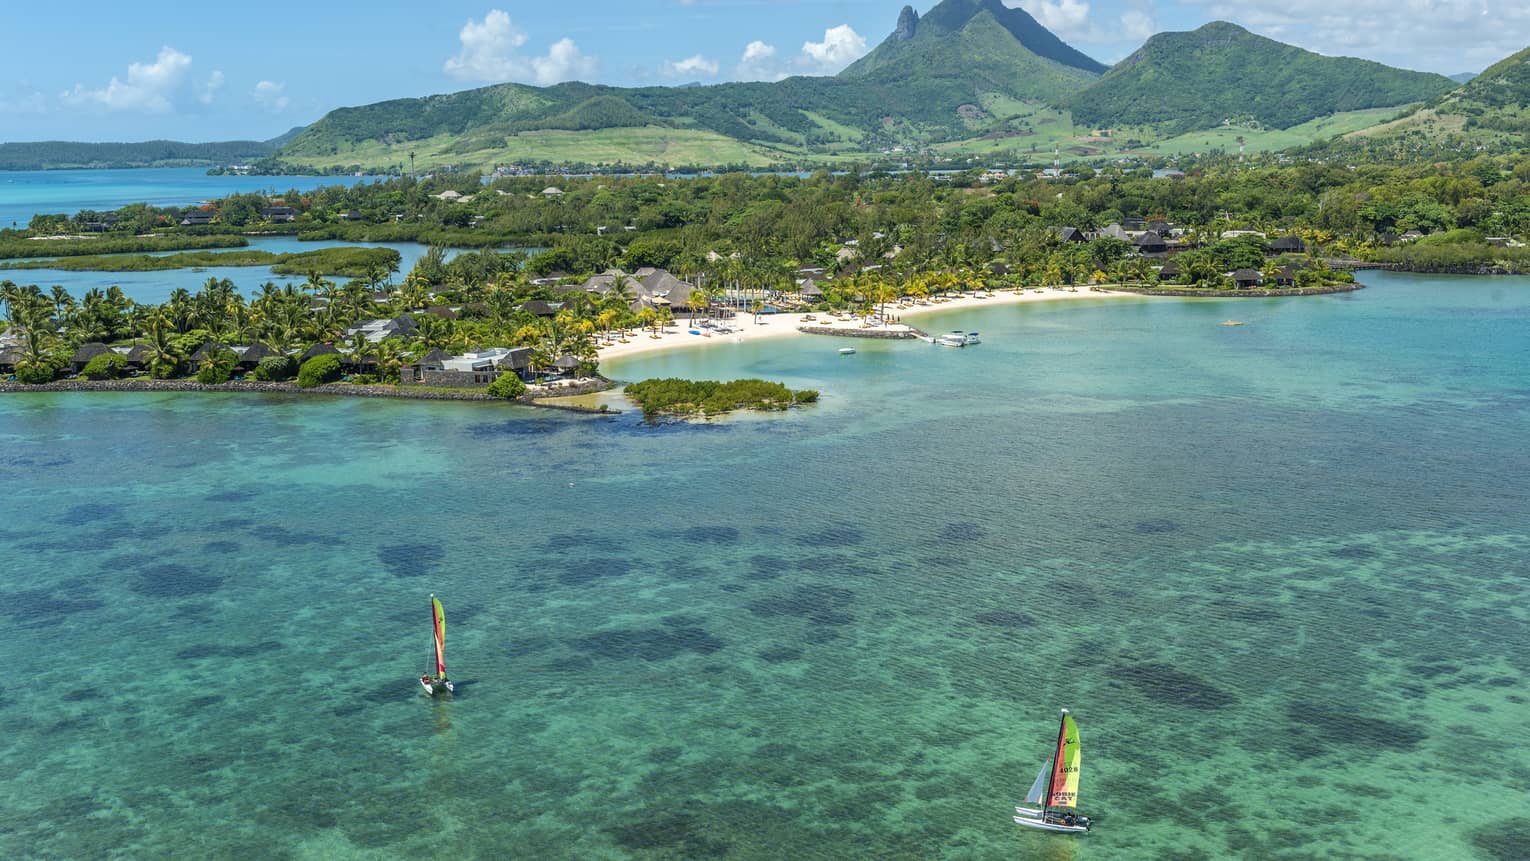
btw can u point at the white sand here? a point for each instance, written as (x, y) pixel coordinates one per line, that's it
(779, 325)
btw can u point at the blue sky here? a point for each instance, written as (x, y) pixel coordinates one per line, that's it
(211, 71)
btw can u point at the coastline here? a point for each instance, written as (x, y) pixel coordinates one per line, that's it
(1245, 294)
(790, 323)
(381, 390)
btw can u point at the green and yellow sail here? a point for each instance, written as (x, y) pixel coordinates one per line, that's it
(438, 622)
(1065, 765)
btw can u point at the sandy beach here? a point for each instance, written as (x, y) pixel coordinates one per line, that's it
(678, 335)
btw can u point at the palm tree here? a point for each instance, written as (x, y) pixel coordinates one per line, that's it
(63, 303)
(163, 359)
(696, 299)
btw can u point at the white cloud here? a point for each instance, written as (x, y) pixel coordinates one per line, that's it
(209, 90)
(488, 53)
(840, 47)
(564, 62)
(1438, 35)
(758, 63)
(150, 87)
(691, 68)
(1068, 19)
(488, 49)
(272, 96)
(1138, 22)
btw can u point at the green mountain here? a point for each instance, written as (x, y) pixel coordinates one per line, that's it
(1180, 82)
(926, 82)
(1490, 112)
(964, 49)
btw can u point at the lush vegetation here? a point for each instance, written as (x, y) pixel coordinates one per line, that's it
(1489, 114)
(276, 369)
(348, 262)
(872, 239)
(217, 367)
(50, 155)
(107, 366)
(1462, 251)
(318, 371)
(508, 386)
(1220, 72)
(677, 397)
(13, 243)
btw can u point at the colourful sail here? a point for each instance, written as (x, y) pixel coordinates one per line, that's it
(1066, 765)
(438, 621)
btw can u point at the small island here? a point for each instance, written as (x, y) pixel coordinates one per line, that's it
(671, 396)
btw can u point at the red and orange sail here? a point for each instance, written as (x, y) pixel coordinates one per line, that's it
(438, 623)
(1066, 765)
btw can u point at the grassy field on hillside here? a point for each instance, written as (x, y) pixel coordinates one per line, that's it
(674, 147)
(1266, 140)
(1048, 127)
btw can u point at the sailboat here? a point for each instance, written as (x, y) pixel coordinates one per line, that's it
(1057, 787)
(438, 649)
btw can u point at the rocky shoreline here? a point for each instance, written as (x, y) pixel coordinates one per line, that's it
(1243, 294)
(143, 384)
(885, 334)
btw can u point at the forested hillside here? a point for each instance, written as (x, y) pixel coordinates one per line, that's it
(1180, 82)
(49, 155)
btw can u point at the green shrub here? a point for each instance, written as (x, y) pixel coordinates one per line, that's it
(507, 386)
(275, 369)
(107, 366)
(34, 373)
(708, 397)
(217, 368)
(318, 371)
(365, 379)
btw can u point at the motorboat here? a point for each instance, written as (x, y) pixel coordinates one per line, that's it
(958, 338)
(847, 351)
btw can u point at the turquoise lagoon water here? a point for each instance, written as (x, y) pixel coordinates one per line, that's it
(1279, 572)
(25, 193)
(156, 287)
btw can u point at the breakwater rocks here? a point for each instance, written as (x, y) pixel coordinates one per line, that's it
(580, 387)
(1242, 294)
(885, 334)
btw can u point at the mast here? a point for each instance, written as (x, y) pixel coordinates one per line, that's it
(1062, 727)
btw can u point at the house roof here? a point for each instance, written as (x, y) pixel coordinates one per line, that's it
(1248, 275)
(136, 354)
(662, 284)
(319, 350)
(810, 288)
(566, 362)
(1150, 238)
(86, 352)
(434, 358)
(1288, 243)
(255, 352)
(541, 308)
(206, 349)
(10, 357)
(1170, 269)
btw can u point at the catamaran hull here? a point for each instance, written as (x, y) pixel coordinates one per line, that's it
(430, 690)
(1048, 826)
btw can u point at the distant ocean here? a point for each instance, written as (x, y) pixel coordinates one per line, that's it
(1280, 573)
(29, 192)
